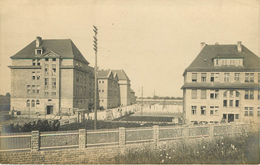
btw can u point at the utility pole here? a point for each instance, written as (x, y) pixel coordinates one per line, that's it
(142, 103)
(96, 49)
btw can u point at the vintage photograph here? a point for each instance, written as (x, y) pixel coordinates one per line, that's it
(129, 82)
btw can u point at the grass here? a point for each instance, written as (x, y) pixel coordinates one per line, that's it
(243, 148)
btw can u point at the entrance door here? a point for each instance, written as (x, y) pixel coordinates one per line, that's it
(230, 118)
(49, 109)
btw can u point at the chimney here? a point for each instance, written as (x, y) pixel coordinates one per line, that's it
(202, 44)
(239, 46)
(38, 41)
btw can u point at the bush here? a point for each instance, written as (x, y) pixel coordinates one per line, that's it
(40, 125)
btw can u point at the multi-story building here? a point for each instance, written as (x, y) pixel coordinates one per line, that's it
(124, 87)
(48, 75)
(222, 84)
(108, 89)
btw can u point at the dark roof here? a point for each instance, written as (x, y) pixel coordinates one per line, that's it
(121, 74)
(63, 47)
(221, 86)
(103, 73)
(204, 60)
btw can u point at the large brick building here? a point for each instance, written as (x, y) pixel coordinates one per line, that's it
(222, 84)
(48, 75)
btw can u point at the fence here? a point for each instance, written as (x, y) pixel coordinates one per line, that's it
(36, 140)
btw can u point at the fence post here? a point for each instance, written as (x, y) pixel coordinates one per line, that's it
(82, 138)
(122, 136)
(35, 141)
(156, 131)
(211, 131)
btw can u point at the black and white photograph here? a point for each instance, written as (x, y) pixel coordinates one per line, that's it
(129, 81)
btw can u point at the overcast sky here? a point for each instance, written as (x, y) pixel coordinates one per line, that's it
(153, 41)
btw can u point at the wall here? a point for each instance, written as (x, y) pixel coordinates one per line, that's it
(96, 154)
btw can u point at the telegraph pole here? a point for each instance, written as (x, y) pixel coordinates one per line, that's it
(142, 103)
(96, 49)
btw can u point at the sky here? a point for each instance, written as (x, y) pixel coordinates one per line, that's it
(152, 41)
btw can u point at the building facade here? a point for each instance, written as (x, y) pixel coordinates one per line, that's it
(124, 87)
(108, 89)
(48, 75)
(222, 85)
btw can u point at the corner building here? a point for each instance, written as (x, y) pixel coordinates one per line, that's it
(222, 85)
(48, 75)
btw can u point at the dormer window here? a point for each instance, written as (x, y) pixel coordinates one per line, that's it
(38, 51)
(228, 62)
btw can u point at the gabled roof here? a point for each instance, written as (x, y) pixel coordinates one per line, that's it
(62, 47)
(121, 74)
(103, 73)
(204, 60)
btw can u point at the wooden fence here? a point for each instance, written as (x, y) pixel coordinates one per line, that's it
(82, 138)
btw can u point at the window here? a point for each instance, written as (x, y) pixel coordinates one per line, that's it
(33, 62)
(249, 94)
(28, 89)
(193, 110)
(203, 94)
(237, 103)
(225, 94)
(258, 77)
(46, 83)
(237, 94)
(258, 96)
(33, 75)
(258, 111)
(226, 77)
(77, 90)
(203, 77)
(194, 94)
(102, 90)
(230, 103)
(38, 63)
(102, 82)
(38, 75)
(38, 51)
(38, 89)
(236, 116)
(33, 89)
(54, 59)
(231, 93)
(249, 111)
(214, 94)
(53, 83)
(224, 103)
(249, 77)
(46, 69)
(77, 77)
(237, 77)
(53, 93)
(37, 103)
(28, 103)
(203, 110)
(46, 93)
(213, 110)
(33, 103)
(194, 77)
(46, 59)
(53, 69)
(99, 82)
(214, 77)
